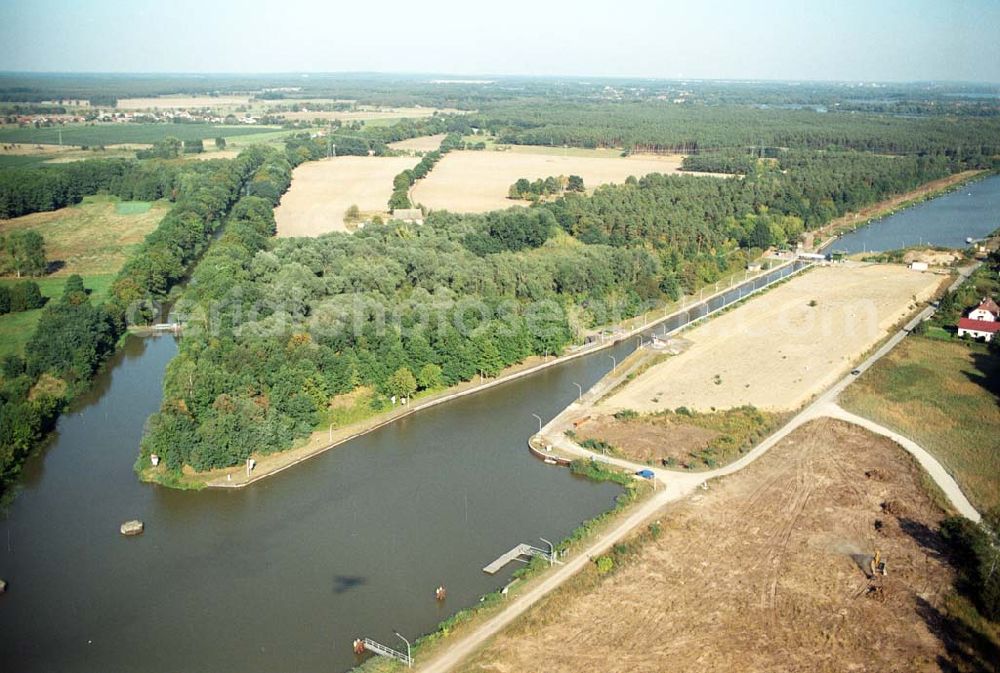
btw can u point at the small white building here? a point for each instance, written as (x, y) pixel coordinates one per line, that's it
(918, 266)
(409, 215)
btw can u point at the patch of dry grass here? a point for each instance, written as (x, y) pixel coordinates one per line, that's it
(91, 238)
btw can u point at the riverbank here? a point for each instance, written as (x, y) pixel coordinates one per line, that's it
(322, 441)
(830, 232)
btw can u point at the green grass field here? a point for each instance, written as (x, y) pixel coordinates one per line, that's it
(23, 161)
(17, 328)
(132, 207)
(946, 397)
(113, 134)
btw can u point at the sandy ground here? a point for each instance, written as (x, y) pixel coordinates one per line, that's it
(180, 102)
(776, 351)
(763, 572)
(322, 191)
(477, 182)
(421, 144)
(932, 257)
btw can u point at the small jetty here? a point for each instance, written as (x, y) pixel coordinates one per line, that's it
(362, 645)
(517, 554)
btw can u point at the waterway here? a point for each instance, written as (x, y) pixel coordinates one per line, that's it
(973, 210)
(282, 575)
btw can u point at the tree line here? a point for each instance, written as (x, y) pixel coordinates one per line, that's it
(401, 184)
(24, 191)
(654, 127)
(534, 190)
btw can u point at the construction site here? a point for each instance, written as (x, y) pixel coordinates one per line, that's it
(822, 555)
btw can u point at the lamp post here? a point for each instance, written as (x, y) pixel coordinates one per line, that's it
(614, 362)
(580, 389)
(331, 433)
(409, 659)
(539, 422)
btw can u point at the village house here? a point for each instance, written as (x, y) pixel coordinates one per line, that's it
(982, 322)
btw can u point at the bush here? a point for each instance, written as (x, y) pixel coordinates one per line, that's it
(22, 296)
(605, 564)
(626, 415)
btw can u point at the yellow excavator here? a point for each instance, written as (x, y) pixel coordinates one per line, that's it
(878, 565)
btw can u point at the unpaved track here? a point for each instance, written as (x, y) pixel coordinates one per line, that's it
(673, 486)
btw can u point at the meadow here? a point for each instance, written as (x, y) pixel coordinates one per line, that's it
(93, 239)
(944, 396)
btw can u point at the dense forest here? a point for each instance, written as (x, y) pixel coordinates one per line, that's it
(688, 129)
(276, 328)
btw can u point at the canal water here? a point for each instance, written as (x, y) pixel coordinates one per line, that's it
(973, 210)
(281, 576)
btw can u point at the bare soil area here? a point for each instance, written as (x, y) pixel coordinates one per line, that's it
(766, 571)
(322, 191)
(779, 349)
(933, 257)
(478, 181)
(645, 440)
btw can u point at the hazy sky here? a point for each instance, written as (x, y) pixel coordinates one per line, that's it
(749, 39)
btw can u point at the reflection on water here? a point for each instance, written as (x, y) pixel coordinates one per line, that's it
(971, 211)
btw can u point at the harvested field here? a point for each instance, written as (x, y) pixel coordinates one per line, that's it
(477, 182)
(181, 102)
(322, 191)
(764, 572)
(776, 351)
(93, 237)
(365, 115)
(421, 144)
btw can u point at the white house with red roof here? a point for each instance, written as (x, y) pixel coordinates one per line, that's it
(982, 322)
